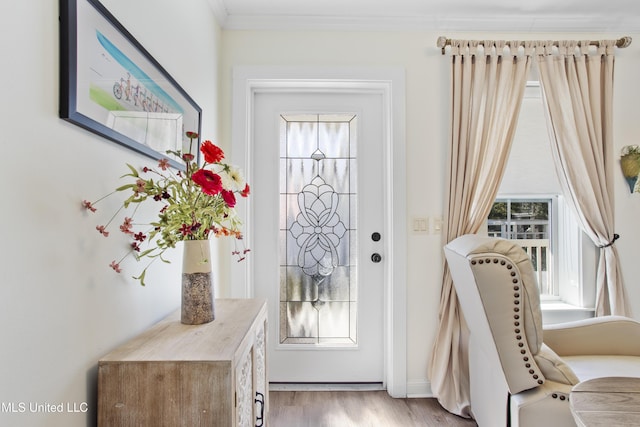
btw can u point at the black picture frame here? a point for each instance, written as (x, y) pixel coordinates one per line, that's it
(111, 85)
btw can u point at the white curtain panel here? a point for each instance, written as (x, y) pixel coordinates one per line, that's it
(487, 87)
(578, 95)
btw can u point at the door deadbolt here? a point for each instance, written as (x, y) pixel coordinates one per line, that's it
(376, 237)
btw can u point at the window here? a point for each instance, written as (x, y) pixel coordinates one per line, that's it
(318, 199)
(529, 221)
(520, 219)
(531, 209)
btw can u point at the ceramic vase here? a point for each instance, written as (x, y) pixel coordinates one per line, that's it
(197, 283)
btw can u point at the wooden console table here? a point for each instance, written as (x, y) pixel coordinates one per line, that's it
(612, 401)
(180, 375)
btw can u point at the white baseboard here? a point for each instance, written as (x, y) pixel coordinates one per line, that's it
(325, 386)
(415, 389)
(419, 388)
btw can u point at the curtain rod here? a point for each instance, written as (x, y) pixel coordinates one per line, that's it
(623, 42)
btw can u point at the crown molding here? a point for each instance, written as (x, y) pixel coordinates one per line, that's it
(505, 23)
(219, 11)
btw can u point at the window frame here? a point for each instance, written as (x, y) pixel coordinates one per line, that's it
(572, 254)
(553, 200)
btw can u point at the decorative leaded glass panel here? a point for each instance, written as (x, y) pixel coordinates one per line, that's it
(318, 224)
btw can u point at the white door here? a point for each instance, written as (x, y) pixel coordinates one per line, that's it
(318, 202)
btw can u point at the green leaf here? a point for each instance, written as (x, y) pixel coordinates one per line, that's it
(141, 277)
(134, 171)
(145, 253)
(126, 187)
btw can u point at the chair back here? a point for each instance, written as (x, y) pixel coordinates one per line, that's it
(497, 291)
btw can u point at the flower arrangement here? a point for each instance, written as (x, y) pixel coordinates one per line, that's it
(193, 204)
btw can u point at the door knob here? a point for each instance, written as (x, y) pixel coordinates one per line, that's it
(376, 257)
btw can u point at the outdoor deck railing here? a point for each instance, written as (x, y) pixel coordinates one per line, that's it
(538, 251)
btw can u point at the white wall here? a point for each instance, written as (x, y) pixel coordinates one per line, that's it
(427, 114)
(61, 306)
(627, 131)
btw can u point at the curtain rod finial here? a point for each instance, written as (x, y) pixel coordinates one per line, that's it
(441, 43)
(624, 42)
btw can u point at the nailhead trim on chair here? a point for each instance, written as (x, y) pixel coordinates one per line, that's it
(516, 316)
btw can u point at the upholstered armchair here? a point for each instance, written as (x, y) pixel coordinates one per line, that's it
(521, 375)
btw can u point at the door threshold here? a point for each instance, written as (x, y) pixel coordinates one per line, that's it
(284, 386)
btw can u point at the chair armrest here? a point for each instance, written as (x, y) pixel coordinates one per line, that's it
(607, 335)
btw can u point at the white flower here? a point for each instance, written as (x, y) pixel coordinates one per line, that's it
(232, 179)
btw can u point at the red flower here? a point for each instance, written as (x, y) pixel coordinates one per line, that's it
(115, 266)
(187, 157)
(246, 191)
(127, 225)
(102, 230)
(87, 205)
(163, 164)
(210, 182)
(212, 153)
(140, 236)
(192, 135)
(140, 186)
(229, 198)
(185, 230)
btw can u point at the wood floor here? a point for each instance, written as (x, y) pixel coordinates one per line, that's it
(356, 408)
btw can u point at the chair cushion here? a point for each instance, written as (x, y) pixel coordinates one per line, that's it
(554, 368)
(589, 367)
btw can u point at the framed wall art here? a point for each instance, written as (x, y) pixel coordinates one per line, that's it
(112, 86)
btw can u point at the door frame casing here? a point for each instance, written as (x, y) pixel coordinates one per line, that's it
(247, 82)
